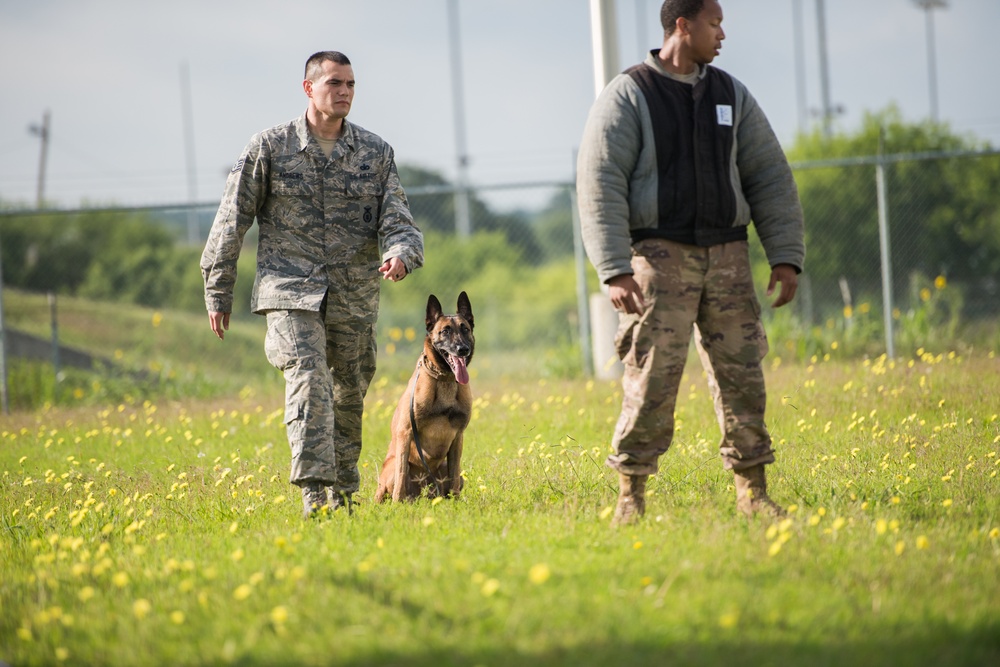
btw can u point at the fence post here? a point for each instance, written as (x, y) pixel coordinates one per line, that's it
(884, 246)
(582, 301)
(4, 393)
(55, 343)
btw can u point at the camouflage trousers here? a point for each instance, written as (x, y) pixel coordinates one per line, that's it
(708, 291)
(328, 362)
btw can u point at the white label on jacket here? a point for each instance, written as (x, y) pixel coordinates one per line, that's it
(724, 112)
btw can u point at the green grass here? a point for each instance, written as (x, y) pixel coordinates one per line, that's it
(153, 354)
(152, 523)
(165, 532)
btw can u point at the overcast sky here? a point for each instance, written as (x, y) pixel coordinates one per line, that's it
(109, 73)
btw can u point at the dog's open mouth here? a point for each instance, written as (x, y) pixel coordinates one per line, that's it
(458, 367)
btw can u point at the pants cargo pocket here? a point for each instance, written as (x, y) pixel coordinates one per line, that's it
(295, 428)
(279, 342)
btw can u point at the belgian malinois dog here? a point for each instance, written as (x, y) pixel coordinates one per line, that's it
(430, 419)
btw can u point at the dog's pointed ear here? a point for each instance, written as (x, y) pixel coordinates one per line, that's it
(465, 309)
(433, 311)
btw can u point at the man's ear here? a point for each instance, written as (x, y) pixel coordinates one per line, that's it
(307, 86)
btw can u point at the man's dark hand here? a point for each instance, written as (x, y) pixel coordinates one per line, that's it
(789, 279)
(626, 295)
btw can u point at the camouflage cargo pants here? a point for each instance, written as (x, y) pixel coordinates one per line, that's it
(328, 363)
(709, 291)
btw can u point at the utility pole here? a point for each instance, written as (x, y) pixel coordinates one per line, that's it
(929, 6)
(462, 225)
(186, 108)
(42, 131)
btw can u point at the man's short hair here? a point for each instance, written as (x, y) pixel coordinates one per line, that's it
(318, 58)
(671, 10)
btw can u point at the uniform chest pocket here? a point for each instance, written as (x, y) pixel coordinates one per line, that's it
(289, 185)
(289, 176)
(360, 187)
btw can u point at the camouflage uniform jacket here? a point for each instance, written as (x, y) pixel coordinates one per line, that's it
(321, 222)
(618, 176)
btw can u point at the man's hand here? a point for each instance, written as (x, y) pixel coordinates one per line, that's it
(393, 269)
(219, 322)
(789, 279)
(626, 295)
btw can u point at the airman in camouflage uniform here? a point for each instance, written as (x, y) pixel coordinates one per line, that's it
(675, 162)
(331, 216)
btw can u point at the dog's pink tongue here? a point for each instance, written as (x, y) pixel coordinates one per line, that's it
(460, 370)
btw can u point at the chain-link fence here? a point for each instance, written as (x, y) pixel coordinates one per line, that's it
(903, 251)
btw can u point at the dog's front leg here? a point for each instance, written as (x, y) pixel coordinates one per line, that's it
(402, 446)
(455, 467)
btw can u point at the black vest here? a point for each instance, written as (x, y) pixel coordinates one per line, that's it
(693, 131)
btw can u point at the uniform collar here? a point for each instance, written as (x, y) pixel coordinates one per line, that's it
(303, 136)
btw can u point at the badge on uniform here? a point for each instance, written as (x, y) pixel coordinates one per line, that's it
(724, 114)
(239, 165)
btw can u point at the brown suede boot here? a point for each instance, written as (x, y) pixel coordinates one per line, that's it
(751, 494)
(631, 499)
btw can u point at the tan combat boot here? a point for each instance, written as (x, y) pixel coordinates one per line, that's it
(751, 494)
(631, 499)
(314, 500)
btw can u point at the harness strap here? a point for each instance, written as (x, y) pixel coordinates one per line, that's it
(416, 435)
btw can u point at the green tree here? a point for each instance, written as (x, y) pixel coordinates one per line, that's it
(435, 211)
(554, 226)
(58, 252)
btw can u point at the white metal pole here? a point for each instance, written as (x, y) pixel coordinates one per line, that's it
(582, 303)
(884, 248)
(604, 37)
(603, 317)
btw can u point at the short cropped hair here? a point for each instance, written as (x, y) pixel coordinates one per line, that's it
(318, 58)
(671, 10)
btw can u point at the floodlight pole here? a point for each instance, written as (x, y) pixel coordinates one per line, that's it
(463, 227)
(800, 69)
(189, 149)
(929, 6)
(824, 71)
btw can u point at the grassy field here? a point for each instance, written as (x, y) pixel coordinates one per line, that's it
(165, 532)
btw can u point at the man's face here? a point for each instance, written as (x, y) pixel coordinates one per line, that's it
(331, 90)
(705, 33)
